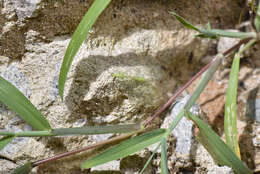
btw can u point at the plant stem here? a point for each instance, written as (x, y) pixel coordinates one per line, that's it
(247, 46)
(87, 130)
(171, 100)
(62, 155)
(28, 133)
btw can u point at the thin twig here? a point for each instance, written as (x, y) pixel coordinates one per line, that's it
(99, 144)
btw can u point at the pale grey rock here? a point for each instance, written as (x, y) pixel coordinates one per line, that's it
(181, 143)
(13, 75)
(99, 137)
(18, 79)
(12, 149)
(13, 122)
(225, 43)
(25, 8)
(110, 166)
(144, 43)
(206, 163)
(8, 9)
(183, 131)
(6, 166)
(217, 170)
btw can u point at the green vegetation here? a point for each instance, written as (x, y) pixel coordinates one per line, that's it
(225, 154)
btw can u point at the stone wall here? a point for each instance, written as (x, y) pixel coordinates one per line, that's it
(131, 40)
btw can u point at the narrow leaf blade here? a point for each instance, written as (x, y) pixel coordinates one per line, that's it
(125, 148)
(184, 22)
(16, 101)
(257, 18)
(230, 121)
(164, 161)
(89, 130)
(214, 33)
(78, 37)
(150, 158)
(216, 147)
(24, 169)
(5, 140)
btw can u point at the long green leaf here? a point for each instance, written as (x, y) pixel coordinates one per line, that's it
(78, 37)
(87, 130)
(5, 140)
(125, 148)
(257, 18)
(214, 33)
(184, 22)
(230, 121)
(164, 161)
(221, 153)
(24, 169)
(150, 158)
(15, 100)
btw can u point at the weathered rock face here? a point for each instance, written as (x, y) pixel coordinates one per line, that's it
(135, 54)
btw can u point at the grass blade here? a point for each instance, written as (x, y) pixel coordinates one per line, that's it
(125, 148)
(164, 161)
(257, 18)
(97, 129)
(16, 101)
(78, 37)
(216, 147)
(24, 169)
(5, 140)
(88, 130)
(150, 158)
(184, 22)
(230, 122)
(214, 33)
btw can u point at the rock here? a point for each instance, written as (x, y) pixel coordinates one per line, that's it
(18, 79)
(225, 43)
(110, 166)
(13, 122)
(183, 132)
(7, 166)
(205, 162)
(25, 8)
(183, 145)
(134, 55)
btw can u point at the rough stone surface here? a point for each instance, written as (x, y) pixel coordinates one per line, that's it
(110, 166)
(212, 102)
(206, 163)
(134, 56)
(25, 8)
(183, 144)
(183, 132)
